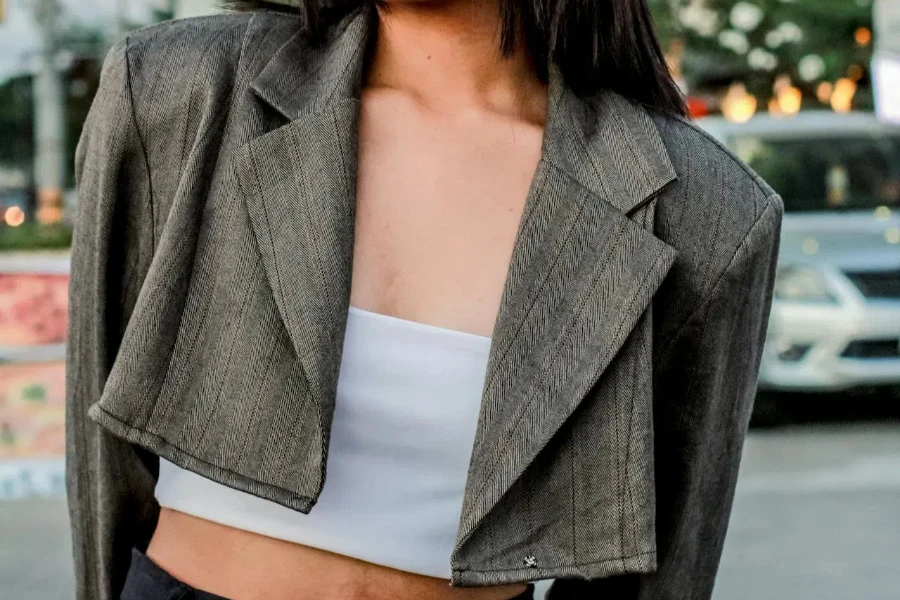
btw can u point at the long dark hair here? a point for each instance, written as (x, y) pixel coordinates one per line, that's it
(597, 44)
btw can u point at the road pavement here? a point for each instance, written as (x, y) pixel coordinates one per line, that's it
(815, 518)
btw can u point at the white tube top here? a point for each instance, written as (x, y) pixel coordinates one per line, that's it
(408, 398)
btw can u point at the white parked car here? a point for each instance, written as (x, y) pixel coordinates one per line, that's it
(835, 321)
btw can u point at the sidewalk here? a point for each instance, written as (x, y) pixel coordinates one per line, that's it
(38, 261)
(35, 550)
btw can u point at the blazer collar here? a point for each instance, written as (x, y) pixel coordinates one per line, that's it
(581, 275)
(300, 79)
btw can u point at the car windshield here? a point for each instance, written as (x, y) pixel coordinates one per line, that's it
(836, 173)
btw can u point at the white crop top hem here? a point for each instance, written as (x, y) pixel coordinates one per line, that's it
(406, 409)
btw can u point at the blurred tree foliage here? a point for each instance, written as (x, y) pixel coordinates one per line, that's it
(31, 235)
(16, 124)
(84, 46)
(164, 14)
(755, 41)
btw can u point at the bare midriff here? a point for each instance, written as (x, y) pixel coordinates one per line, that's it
(242, 565)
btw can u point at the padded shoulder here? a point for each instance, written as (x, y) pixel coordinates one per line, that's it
(709, 212)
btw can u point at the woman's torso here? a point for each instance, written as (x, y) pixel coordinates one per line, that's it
(219, 264)
(241, 565)
(439, 201)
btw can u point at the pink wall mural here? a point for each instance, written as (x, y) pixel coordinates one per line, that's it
(32, 369)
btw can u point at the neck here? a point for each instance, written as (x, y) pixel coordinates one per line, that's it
(446, 54)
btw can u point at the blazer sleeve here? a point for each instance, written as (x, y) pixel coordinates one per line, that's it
(109, 482)
(705, 386)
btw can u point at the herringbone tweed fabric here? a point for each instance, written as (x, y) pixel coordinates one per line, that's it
(210, 285)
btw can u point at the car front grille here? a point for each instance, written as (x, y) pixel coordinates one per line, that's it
(887, 348)
(876, 284)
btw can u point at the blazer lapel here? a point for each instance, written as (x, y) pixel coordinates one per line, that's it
(299, 186)
(581, 273)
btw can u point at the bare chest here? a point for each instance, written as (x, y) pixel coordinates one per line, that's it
(437, 211)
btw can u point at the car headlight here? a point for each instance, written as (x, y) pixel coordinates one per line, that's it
(802, 284)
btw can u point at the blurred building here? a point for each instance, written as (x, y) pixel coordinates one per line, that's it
(886, 62)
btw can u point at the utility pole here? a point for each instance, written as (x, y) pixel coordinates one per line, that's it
(49, 110)
(121, 18)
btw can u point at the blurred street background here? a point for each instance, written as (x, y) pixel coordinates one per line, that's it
(807, 92)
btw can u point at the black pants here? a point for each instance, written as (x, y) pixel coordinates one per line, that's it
(148, 581)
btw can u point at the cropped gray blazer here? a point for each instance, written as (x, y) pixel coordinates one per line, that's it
(210, 283)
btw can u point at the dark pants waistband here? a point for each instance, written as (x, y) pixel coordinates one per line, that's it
(148, 581)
